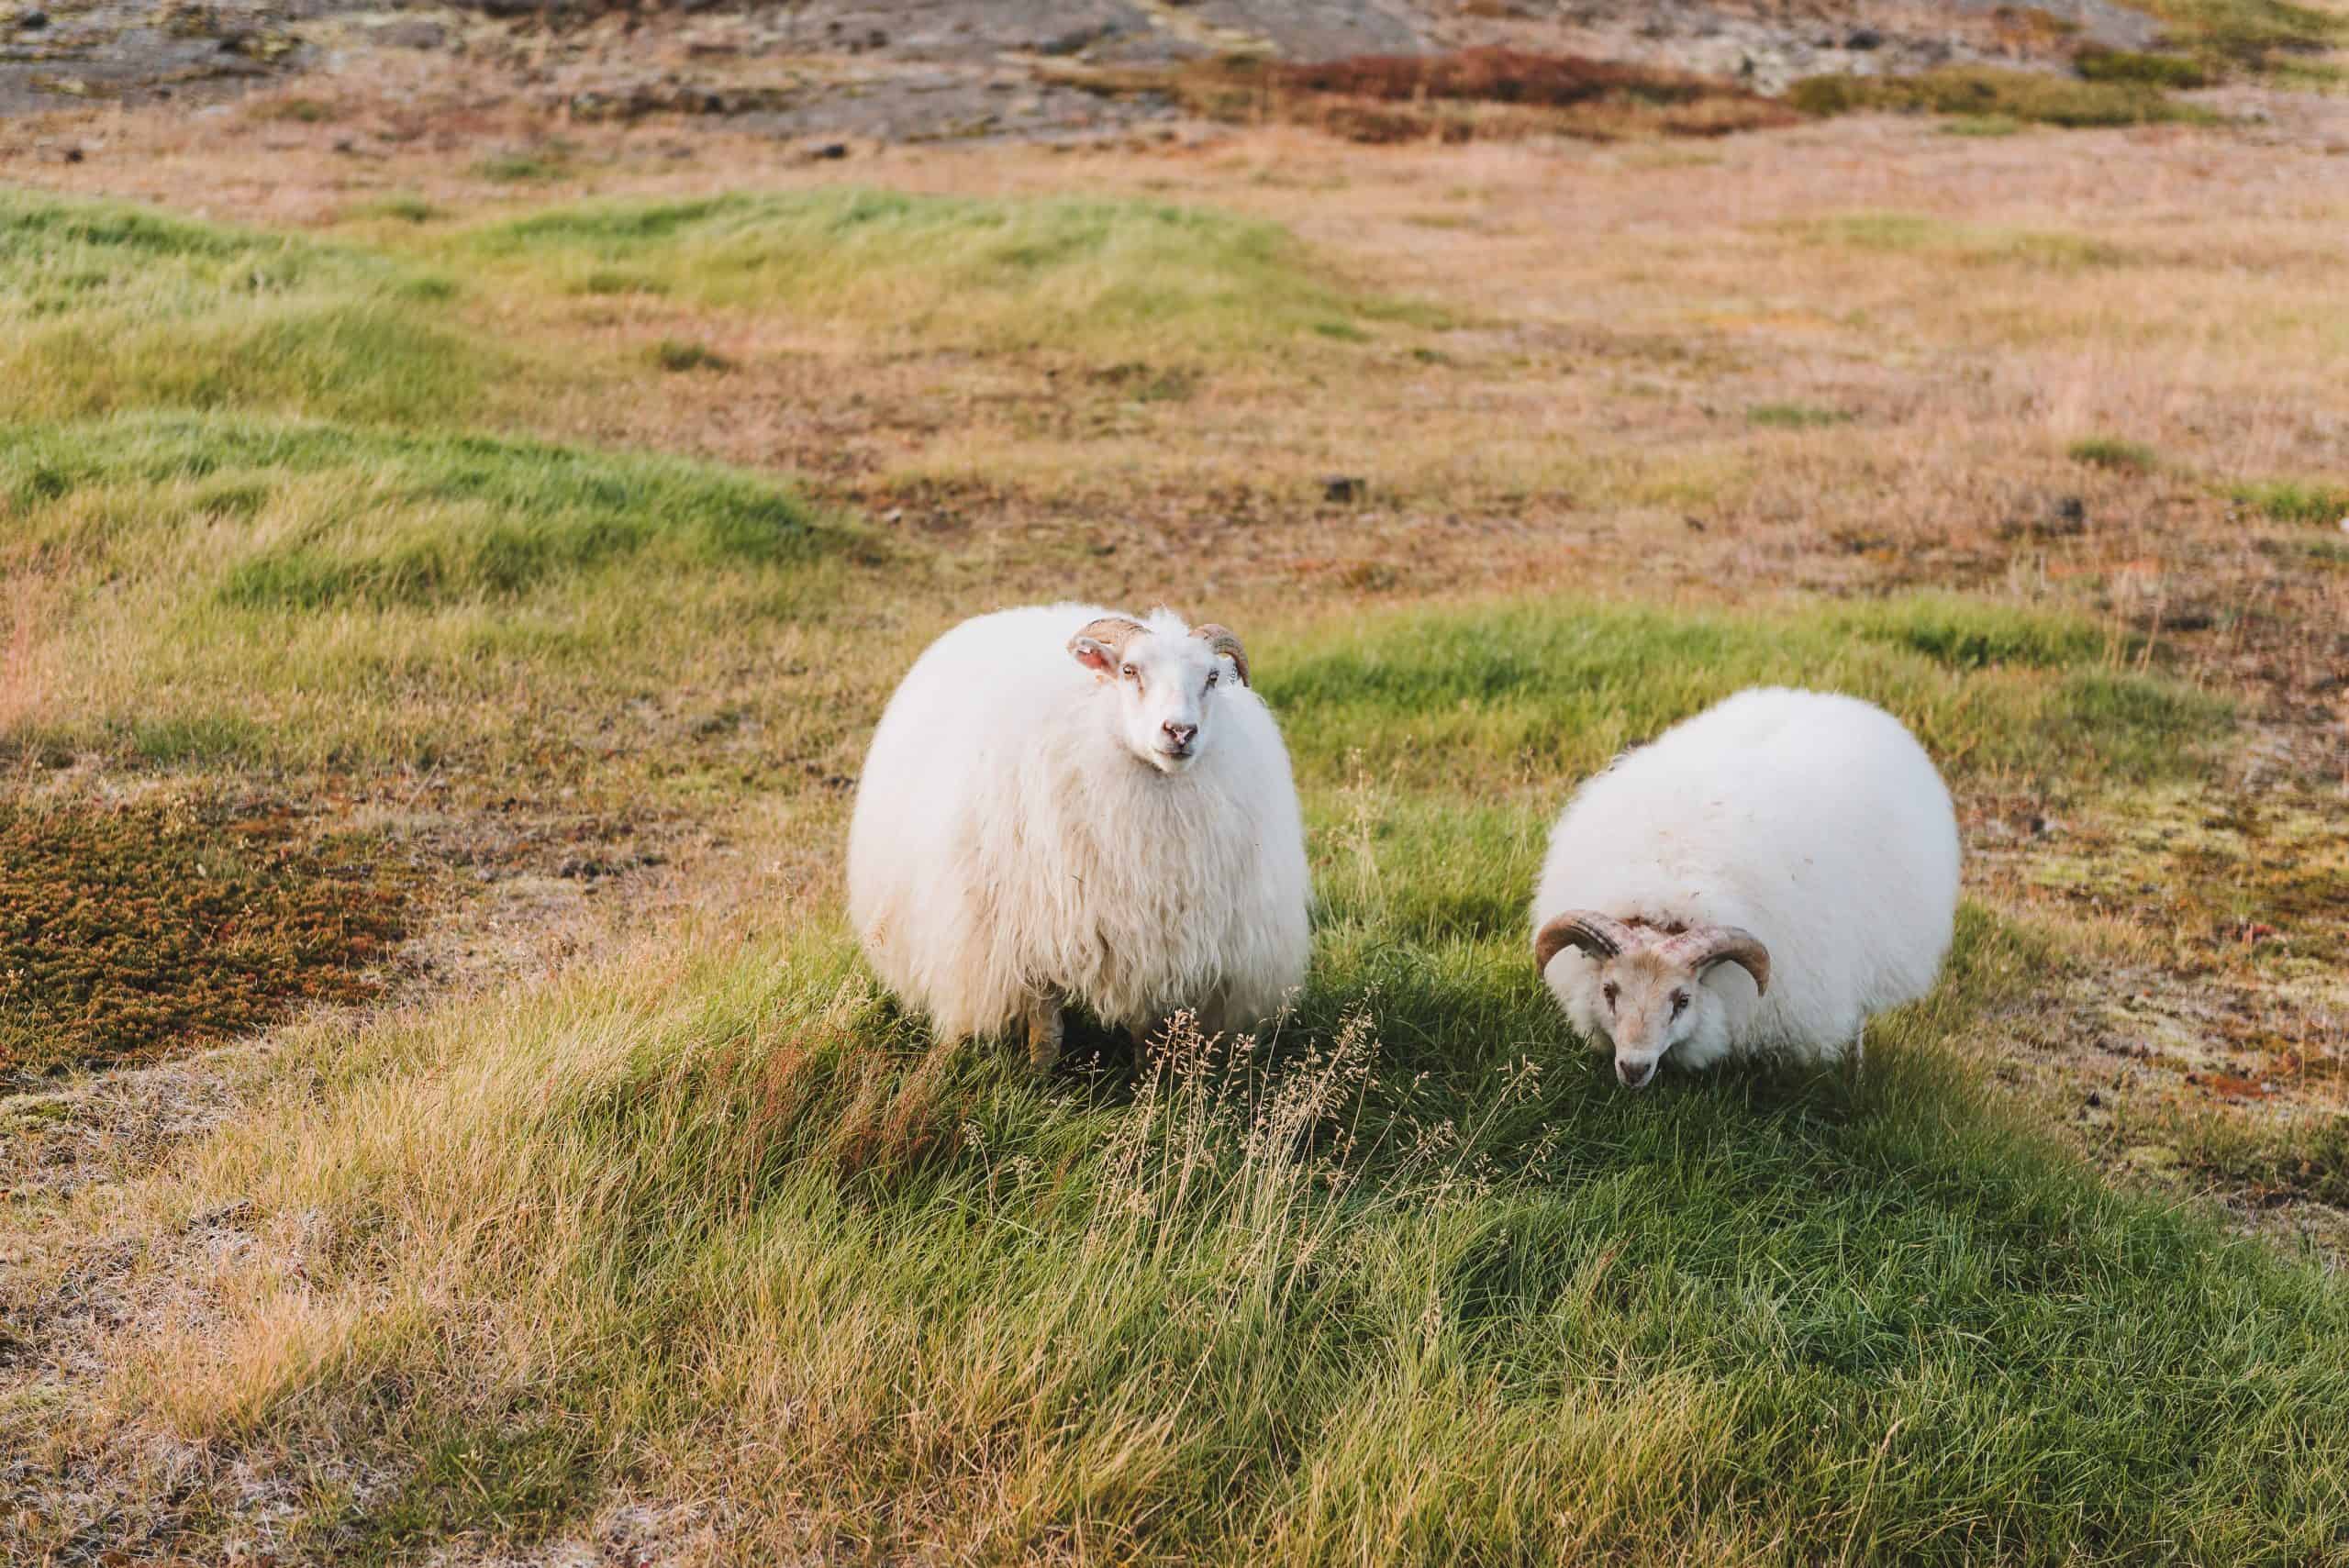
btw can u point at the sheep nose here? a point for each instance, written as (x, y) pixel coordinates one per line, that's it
(1179, 733)
(1634, 1077)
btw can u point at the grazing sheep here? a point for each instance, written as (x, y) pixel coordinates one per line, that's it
(1066, 804)
(1762, 877)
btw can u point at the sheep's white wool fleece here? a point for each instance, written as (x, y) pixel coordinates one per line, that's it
(1007, 842)
(1816, 821)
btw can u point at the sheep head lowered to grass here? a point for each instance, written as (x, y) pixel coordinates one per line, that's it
(1759, 879)
(1649, 983)
(1067, 805)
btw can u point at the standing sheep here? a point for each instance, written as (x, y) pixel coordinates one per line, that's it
(1063, 805)
(1762, 877)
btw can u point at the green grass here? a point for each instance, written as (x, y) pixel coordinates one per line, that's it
(1979, 91)
(106, 307)
(1529, 693)
(2153, 69)
(2294, 501)
(675, 355)
(1969, 244)
(300, 594)
(1794, 416)
(998, 273)
(1992, 125)
(2253, 33)
(699, 1220)
(528, 165)
(1416, 1284)
(2112, 452)
(400, 208)
(2309, 1161)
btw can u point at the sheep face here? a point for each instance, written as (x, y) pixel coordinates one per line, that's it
(1165, 685)
(1647, 1006)
(1644, 987)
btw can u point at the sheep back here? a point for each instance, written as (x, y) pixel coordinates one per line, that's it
(1814, 821)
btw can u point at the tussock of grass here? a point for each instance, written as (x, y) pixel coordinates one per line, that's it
(1413, 1281)
(549, 163)
(1969, 244)
(1536, 692)
(2154, 69)
(677, 355)
(405, 207)
(104, 307)
(1794, 416)
(2251, 32)
(306, 591)
(2112, 452)
(1982, 125)
(1000, 274)
(1984, 90)
(452, 518)
(2296, 501)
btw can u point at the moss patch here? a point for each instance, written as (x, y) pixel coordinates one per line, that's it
(131, 931)
(1980, 91)
(2265, 880)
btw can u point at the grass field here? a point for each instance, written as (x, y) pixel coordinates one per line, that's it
(443, 617)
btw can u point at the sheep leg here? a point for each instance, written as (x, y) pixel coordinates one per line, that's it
(1044, 1029)
(1859, 1053)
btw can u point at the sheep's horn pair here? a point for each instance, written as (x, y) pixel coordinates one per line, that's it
(1113, 632)
(1695, 950)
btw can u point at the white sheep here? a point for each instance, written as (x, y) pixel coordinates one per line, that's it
(1762, 877)
(1063, 805)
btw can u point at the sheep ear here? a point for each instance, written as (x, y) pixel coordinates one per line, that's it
(1099, 645)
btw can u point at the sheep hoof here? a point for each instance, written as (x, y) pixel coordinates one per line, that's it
(1043, 1033)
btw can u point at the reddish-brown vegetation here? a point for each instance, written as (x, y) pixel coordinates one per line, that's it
(130, 930)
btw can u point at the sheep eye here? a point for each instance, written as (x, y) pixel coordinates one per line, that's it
(1213, 676)
(1608, 991)
(1679, 1003)
(1130, 674)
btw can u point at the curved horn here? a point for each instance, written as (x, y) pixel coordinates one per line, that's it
(1223, 639)
(1701, 949)
(1601, 936)
(1099, 644)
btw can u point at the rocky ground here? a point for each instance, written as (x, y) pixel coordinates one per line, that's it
(892, 71)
